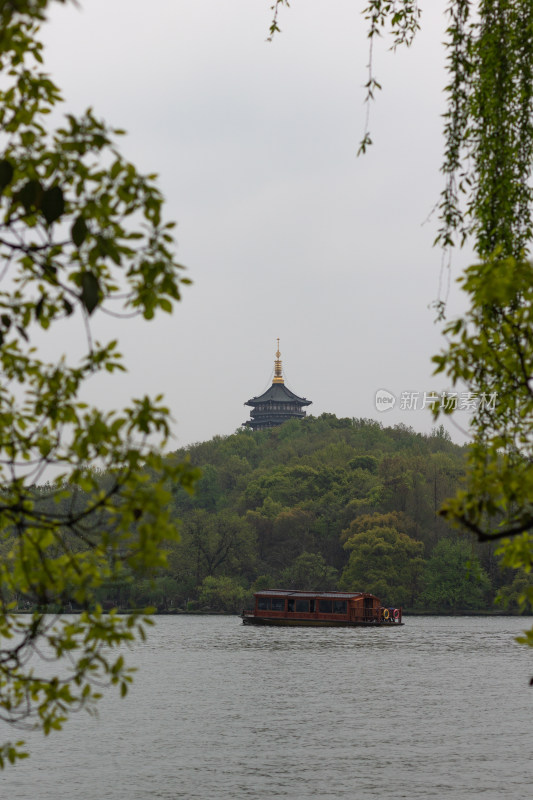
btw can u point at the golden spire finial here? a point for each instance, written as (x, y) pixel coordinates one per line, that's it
(278, 377)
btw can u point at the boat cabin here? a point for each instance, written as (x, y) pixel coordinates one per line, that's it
(295, 607)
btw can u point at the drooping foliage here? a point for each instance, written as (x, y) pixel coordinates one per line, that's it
(487, 199)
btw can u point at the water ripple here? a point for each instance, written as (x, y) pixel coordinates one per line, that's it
(439, 708)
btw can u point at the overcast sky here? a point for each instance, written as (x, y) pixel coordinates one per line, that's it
(285, 232)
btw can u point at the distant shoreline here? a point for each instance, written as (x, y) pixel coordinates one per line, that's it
(180, 613)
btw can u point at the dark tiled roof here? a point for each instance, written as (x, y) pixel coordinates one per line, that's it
(278, 393)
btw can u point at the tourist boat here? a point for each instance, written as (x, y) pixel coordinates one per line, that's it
(320, 609)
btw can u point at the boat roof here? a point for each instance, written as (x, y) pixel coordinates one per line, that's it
(308, 594)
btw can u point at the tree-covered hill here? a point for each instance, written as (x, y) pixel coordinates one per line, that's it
(326, 503)
(319, 503)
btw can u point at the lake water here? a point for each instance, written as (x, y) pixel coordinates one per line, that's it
(439, 708)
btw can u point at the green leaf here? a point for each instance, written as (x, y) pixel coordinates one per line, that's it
(39, 308)
(53, 204)
(79, 231)
(68, 307)
(6, 174)
(30, 195)
(90, 291)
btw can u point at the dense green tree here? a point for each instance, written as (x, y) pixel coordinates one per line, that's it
(516, 595)
(287, 521)
(383, 559)
(211, 544)
(160, 593)
(222, 593)
(233, 473)
(183, 566)
(117, 593)
(81, 231)
(291, 533)
(453, 578)
(309, 571)
(211, 495)
(369, 463)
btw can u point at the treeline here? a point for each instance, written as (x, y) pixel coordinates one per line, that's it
(321, 503)
(324, 503)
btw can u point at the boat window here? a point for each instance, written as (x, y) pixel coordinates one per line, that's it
(278, 604)
(324, 606)
(312, 606)
(263, 604)
(339, 606)
(302, 605)
(290, 604)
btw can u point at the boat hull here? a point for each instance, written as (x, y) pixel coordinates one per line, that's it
(316, 623)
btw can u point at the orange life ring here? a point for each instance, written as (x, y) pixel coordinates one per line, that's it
(385, 613)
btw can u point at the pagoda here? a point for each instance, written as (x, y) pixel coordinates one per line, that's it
(277, 404)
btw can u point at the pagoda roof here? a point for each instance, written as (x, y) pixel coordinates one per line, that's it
(278, 393)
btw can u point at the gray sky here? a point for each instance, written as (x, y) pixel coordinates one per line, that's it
(285, 232)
